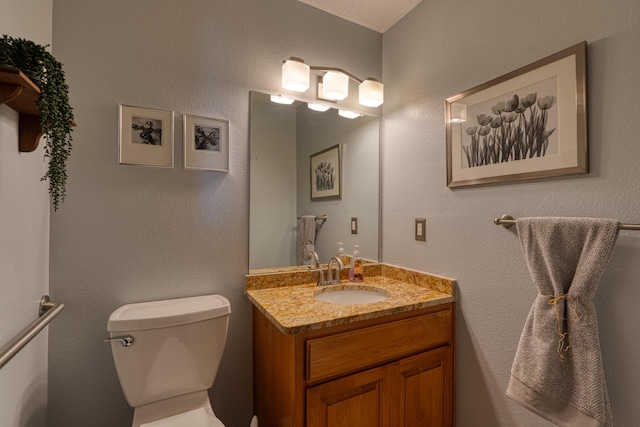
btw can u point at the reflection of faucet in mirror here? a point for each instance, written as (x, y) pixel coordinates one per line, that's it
(282, 141)
(309, 254)
(317, 267)
(314, 257)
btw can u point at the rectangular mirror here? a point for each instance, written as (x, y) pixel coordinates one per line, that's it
(284, 139)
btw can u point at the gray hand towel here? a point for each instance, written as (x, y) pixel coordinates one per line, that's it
(306, 237)
(557, 371)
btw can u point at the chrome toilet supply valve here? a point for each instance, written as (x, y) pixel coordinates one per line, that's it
(125, 340)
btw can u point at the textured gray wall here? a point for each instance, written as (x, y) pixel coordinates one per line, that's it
(444, 47)
(127, 233)
(24, 239)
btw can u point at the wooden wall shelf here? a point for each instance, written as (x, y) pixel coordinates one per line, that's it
(21, 94)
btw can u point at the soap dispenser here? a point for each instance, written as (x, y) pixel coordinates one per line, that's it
(356, 271)
(342, 256)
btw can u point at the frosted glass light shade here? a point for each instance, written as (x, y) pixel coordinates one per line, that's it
(335, 85)
(371, 93)
(295, 75)
(279, 99)
(317, 107)
(348, 114)
(458, 113)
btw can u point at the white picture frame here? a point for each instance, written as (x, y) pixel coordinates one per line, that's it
(145, 136)
(206, 143)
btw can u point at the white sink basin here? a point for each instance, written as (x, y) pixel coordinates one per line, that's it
(351, 294)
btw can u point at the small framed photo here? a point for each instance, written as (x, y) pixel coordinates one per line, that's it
(206, 143)
(326, 174)
(146, 137)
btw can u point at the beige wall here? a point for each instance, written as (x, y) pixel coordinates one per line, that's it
(24, 239)
(444, 47)
(128, 234)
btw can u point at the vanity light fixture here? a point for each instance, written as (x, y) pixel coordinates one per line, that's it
(296, 74)
(335, 85)
(458, 113)
(348, 114)
(279, 99)
(317, 107)
(371, 93)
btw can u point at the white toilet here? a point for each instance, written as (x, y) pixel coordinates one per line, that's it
(167, 355)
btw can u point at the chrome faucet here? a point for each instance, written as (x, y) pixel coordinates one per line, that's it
(331, 278)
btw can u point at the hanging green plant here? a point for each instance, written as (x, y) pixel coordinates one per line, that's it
(56, 115)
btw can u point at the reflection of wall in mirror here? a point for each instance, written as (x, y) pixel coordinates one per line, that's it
(280, 182)
(272, 216)
(360, 180)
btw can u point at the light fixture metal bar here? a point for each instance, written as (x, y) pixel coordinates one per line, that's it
(340, 70)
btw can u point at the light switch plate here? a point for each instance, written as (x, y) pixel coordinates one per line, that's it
(420, 230)
(354, 225)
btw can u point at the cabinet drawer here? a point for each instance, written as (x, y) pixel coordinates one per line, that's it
(355, 350)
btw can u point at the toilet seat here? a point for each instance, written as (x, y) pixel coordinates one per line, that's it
(195, 418)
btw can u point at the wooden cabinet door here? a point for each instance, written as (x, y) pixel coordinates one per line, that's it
(422, 390)
(358, 400)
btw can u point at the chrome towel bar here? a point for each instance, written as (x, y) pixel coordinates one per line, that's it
(507, 221)
(322, 218)
(47, 311)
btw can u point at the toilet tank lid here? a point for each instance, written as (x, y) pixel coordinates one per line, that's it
(166, 313)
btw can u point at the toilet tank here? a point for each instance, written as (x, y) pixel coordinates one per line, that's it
(177, 348)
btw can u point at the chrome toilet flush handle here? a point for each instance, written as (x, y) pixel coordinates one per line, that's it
(126, 340)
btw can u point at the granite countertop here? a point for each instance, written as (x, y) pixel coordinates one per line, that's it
(287, 297)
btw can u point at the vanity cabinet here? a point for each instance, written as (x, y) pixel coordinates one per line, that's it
(396, 370)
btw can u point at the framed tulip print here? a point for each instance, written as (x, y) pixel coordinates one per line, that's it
(326, 174)
(530, 123)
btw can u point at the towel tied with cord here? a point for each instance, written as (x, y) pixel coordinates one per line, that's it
(557, 370)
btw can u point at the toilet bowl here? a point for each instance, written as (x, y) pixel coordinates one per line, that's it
(200, 417)
(167, 355)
